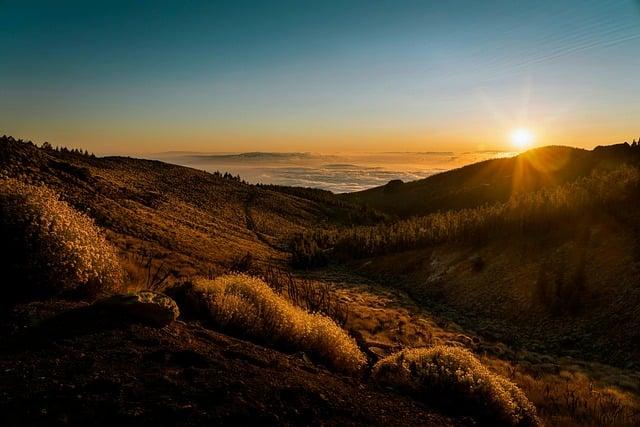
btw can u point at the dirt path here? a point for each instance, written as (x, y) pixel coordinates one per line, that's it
(251, 224)
(388, 319)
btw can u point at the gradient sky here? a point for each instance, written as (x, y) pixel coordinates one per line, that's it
(134, 77)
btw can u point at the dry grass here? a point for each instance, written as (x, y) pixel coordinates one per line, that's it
(453, 376)
(50, 248)
(313, 296)
(565, 391)
(247, 306)
(144, 269)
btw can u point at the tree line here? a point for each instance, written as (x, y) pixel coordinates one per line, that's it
(523, 213)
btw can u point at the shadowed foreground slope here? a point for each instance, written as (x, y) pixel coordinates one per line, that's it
(182, 374)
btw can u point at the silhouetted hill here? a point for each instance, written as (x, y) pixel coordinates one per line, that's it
(251, 157)
(492, 180)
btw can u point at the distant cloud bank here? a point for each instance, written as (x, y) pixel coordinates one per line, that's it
(339, 173)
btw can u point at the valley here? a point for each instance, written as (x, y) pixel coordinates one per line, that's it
(547, 298)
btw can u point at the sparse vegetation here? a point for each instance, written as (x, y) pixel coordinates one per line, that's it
(315, 297)
(49, 248)
(242, 264)
(144, 270)
(454, 377)
(247, 306)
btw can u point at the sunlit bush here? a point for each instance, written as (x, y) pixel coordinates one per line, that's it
(454, 377)
(247, 306)
(572, 397)
(49, 248)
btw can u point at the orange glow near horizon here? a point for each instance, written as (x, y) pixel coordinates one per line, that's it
(136, 142)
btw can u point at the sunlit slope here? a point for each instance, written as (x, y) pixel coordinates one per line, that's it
(198, 220)
(490, 181)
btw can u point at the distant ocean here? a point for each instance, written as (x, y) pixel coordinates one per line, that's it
(339, 173)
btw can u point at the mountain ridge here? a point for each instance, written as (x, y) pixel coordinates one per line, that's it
(491, 180)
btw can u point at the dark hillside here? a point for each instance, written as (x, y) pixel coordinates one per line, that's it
(560, 251)
(180, 375)
(554, 270)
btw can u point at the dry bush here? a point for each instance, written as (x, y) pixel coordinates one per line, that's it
(580, 402)
(246, 305)
(49, 248)
(316, 297)
(454, 377)
(572, 398)
(155, 272)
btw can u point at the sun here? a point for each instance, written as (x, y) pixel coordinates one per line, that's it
(522, 138)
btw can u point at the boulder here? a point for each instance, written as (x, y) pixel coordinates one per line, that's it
(145, 306)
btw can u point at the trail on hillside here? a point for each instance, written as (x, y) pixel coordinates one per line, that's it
(251, 224)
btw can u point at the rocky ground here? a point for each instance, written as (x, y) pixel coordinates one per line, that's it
(62, 366)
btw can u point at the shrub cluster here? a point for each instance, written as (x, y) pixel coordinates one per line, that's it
(247, 306)
(48, 248)
(572, 397)
(454, 377)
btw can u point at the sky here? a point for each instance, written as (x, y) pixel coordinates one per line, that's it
(136, 77)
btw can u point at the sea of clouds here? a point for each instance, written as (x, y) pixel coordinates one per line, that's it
(339, 173)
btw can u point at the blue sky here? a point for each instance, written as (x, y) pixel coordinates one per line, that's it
(138, 77)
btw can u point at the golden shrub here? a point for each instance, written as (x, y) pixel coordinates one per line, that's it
(455, 377)
(48, 247)
(247, 305)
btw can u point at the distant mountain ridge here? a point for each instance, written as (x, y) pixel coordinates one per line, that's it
(254, 156)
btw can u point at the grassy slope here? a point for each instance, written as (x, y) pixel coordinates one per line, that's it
(179, 374)
(196, 220)
(504, 298)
